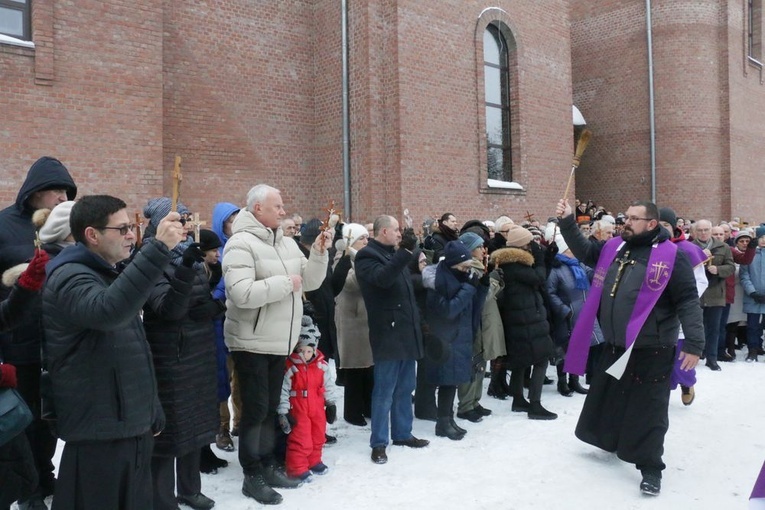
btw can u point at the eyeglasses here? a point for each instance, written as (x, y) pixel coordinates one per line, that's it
(123, 230)
(633, 219)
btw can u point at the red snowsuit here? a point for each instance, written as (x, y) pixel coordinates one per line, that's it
(303, 389)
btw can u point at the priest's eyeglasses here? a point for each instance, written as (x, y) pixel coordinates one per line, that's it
(633, 219)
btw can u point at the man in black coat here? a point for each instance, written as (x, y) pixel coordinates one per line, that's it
(101, 371)
(47, 184)
(394, 333)
(629, 415)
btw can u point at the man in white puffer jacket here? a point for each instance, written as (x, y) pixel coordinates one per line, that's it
(265, 274)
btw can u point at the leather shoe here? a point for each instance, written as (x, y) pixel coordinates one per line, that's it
(378, 455)
(482, 410)
(412, 442)
(472, 416)
(329, 439)
(197, 501)
(712, 364)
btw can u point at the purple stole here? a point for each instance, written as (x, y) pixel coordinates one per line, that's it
(660, 265)
(757, 499)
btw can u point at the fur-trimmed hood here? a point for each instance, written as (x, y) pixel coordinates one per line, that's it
(512, 255)
(11, 276)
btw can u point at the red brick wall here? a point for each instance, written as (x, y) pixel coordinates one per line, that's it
(101, 110)
(706, 120)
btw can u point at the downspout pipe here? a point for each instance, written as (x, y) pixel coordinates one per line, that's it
(651, 103)
(346, 116)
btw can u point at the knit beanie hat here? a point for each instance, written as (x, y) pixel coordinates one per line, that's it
(56, 227)
(471, 240)
(518, 237)
(502, 221)
(668, 215)
(311, 231)
(552, 230)
(454, 253)
(208, 240)
(352, 232)
(158, 208)
(309, 333)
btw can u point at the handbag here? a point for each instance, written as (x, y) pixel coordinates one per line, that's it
(15, 415)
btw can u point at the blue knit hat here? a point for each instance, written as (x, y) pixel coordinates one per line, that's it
(455, 253)
(471, 240)
(158, 208)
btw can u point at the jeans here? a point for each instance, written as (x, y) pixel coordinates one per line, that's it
(723, 335)
(712, 316)
(392, 401)
(753, 330)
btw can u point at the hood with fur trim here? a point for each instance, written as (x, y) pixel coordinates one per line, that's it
(512, 255)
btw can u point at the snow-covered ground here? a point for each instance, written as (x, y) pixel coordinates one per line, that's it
(713, 451)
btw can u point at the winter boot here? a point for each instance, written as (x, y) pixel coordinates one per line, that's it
(223, 440)
(537, 412)
(444, 428)
(459, 429)
(573, 383)
(651, 483)
(255, 487)
(520, 405)
(563, 387)
(752, 356)
(687, 394)
(209, 463)
(498, 382)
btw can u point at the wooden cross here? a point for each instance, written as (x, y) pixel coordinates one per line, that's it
(197, 224)
(330, 211)
(138, 230)
(177, 178)
(529, 217)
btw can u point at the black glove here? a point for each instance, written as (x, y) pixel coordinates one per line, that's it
(408, 239)
(331, 413)
(484, 280)
(473, 279)
(758, 297)
(192, 254)
(286, 422)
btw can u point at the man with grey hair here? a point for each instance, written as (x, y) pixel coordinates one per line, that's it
(719, 266)
(394, 333)
(603, 230)
(265, 275)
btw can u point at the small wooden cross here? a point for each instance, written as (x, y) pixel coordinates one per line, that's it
(529, 217)
(177, 178)
(197, 224)
(138, 230)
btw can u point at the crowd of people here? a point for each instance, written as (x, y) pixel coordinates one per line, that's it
(134, 345)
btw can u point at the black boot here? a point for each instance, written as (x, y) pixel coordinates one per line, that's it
(255, 487)
(573, 383)
(563, 387)
(209, 463)
(651, 483)
(444, 428)
(520, 405)
(498, 382)
(459, 429)
(537, 412)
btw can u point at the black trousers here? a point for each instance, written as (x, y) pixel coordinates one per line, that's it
(95, 475)
(424, 392)
(358, 392)
(446, 396)
(41, 440)
(166, 472)
(629, 416)
(260, 381)
(535, 386)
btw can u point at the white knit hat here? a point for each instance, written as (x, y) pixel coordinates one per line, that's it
(309, 333)
(552, 228)
(56, 227)
(352, 232)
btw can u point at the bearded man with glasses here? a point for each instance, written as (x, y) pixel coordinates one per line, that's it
(643, 290)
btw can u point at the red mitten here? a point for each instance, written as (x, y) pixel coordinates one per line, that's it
(7, 376)
(33, 277)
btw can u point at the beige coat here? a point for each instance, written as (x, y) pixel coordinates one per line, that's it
(352, 327)
(263, 314)
(492, 333)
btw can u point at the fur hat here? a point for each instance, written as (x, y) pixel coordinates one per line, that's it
(668, 215)
(311, 231)
(471, 240)
(518, 237)
(552, 230)
(455, 253)
(309, 333)
(56, 227)
(208, 240)
(352, 232)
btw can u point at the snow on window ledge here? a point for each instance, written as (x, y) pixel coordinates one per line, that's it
(6, 39)
(494, 183)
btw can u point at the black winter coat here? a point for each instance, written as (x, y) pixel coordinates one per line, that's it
(100, 365)
(178, 320)
(394, 321)
(679, 300)
(323, 301)
(17, 235)
(524, 314)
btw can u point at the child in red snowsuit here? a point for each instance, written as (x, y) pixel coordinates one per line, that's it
(302, 413)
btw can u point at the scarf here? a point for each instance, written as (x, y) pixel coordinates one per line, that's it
(581, 281)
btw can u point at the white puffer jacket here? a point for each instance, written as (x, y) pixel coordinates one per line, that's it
(263, 314)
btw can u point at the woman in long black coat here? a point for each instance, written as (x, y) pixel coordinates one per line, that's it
(524, 317)
(178, 321)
